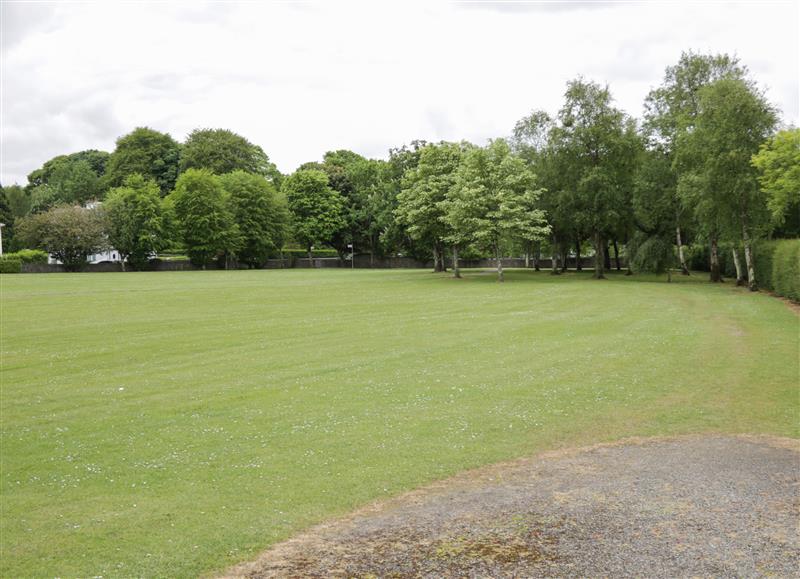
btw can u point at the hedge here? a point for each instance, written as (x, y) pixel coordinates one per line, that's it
(10, 264)
(29, 255)
(763, 253)
(777, 264)
(786, 269)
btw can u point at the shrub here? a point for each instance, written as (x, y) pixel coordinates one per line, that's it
(30, 255)
(786, 269)
(763, 252)
(777, 266)
(10, 264)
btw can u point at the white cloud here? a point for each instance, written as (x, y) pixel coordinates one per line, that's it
(301, 79)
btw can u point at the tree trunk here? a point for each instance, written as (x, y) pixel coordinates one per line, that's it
(436, 265)
(599, 258)
(739, 274)
(371, 257)
(578, 264)
(606, 257)
(527, 259)
(456, 269)
(681, 256)
(499, 264)
(616, 256)
(564, 255)
(537, 252)
(669, 276)
(715, 276)
(554, 263)
(310, 259)
(748, 258)
(439, 251)
(122, 263)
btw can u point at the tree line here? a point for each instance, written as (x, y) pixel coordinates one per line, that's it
(706, 166)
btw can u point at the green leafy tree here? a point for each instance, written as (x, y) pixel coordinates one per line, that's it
(74, 178)
(19, 201)
(379, 207)
(95, 159)
(420, 204)
(147, 152)
(594, 150)
(652, 254)
(137, 227)
(316, 209)
(222, 151)
(494, 197)
(778, 164)
(44, 197)
(76, 182)
(205, 223)
(531, 141)
(394, 237)
(655, 210)
(260, 213)
(733, 120)
(357, 180)
(69, 233)
(671, 112)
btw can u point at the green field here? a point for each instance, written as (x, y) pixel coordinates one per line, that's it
(170, 424)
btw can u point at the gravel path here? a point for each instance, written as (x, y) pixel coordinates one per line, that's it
(687, 506)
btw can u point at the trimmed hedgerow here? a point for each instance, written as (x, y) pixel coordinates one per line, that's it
(786, 269)
(10, 264)
(763, 252)
(29, 255)
(777, 264)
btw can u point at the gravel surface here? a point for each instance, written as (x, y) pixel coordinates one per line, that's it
(687, 506)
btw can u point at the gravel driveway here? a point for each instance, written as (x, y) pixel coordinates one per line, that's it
(687, 506)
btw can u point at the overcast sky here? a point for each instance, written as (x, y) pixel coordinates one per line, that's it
(303, 78)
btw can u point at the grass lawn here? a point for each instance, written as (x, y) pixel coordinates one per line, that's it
(173, 423)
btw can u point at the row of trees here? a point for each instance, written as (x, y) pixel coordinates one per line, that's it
(705, 165)
(236, 215)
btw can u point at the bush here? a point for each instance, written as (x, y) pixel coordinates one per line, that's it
(10, 264)
(763, 252)
(786, 269)
(30, 255)
(777, 266)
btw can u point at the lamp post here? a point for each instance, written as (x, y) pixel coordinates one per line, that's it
(1, 237)
(352, 256)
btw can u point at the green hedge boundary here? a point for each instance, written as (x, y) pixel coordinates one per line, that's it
(777, 266)
(29, 255)
(10, 264)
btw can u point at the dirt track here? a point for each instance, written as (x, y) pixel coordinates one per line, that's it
(687, 506)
